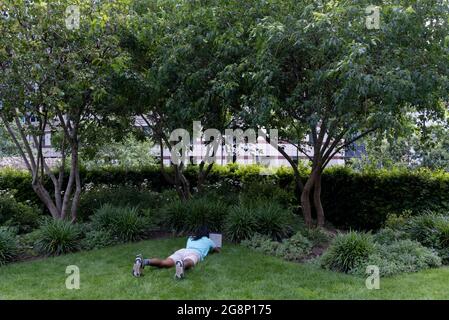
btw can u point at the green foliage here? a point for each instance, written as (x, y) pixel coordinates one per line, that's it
(421, 145)
(24, 216)
(261, 243)
(187, 216)
(97, 239)
(358, 200)
(317, 236)
(398, 257)
(56, 237)
(7, 146)
(117, 195)
(387, 236)
(273, 220)
(294, 248)
(261, 216)
(8, 246)
(291, 249)
(129, 153)
(241, 223)
(431, 230)
(124, 223)
(267, 190)
(398, 221)
(347, 251)
(364, 200)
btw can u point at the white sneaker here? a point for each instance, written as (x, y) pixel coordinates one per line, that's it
(179, 270)
(138, 266)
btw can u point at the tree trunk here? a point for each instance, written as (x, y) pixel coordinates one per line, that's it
(305, 201)
(77, 194)
(46, 199)
(317, 200)
(202, 175)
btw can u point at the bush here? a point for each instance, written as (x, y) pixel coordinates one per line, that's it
(8, 246)
(120, 196)
(97, 239)
(267, 218)
(357, 200)
(398, 221)
(294, 248)
(273, 220)
(317, 236)
(56, 237)
(267, 190)
(124, 223)
(388, 236)
(431, 230)
(347, 251)
(187, 216)
(261, 243)
(398, 257)
(24, 216)
(241, 223)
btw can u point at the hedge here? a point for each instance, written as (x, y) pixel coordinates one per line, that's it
(357, 200)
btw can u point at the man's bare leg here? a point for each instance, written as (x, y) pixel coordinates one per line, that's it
(188, 264)
(160, 263)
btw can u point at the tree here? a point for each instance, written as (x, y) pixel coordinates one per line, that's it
(7, 146)
(52, 71)
(178, 54)
(419, 144)
(318, 72)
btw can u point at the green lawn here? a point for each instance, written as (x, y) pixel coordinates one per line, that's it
(236, 273)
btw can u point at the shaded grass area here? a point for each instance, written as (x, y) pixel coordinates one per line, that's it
(236, 273)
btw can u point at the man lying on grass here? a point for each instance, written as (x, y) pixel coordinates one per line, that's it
(197, 248)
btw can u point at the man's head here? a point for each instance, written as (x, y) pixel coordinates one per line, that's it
(202, 231)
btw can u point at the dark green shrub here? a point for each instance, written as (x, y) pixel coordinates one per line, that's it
(273, 220)
(262, 217)
(398, 257)
(97, 239)
(261, 243)
(431, 230)
(357, 200)
(267, 190)
(398, 221)
(8, 246)
(347, 251)
(174, 216)
(291, 249)
(24, 216)
(317, 236)
(124, 223)
(120, 196)
(388, 236)
(56, 237)
(294, 248)
(203, 211)
(241, 223)
(187, 216)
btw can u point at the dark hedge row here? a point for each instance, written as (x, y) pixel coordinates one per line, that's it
(350, 199)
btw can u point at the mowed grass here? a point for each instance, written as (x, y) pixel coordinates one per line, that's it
(236, 273)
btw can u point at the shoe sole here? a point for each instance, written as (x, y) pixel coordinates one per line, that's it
(179, 271)
(137, 270)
